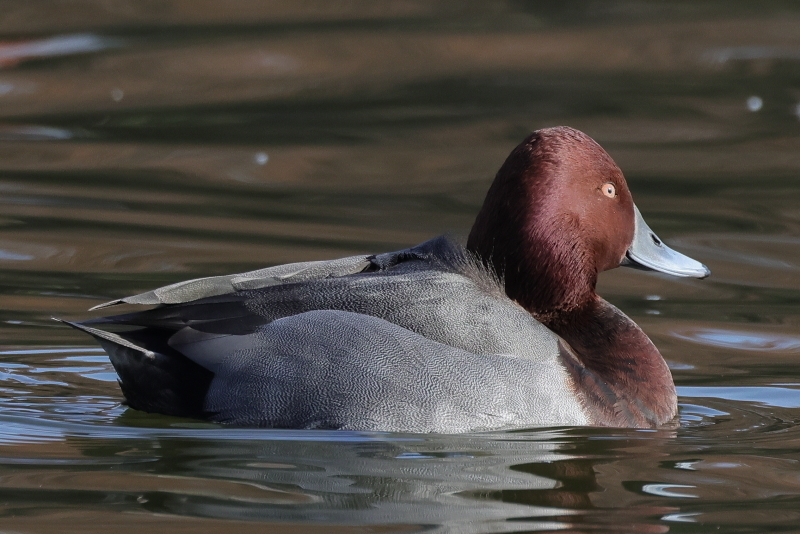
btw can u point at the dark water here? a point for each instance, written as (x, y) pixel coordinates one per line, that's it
(143, 143)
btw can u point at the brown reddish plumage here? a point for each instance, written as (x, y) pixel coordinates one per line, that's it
(548, 230)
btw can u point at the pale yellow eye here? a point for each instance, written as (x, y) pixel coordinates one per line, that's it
(609, 190)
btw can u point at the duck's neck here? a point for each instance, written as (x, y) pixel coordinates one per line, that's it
(621, 374)
(545, 276)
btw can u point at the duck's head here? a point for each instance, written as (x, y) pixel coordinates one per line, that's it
(559, 212)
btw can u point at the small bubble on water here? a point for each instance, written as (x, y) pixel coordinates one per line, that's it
(141, 499)
(653, 297)
(261, 158)
(755, 103)
(117, 94)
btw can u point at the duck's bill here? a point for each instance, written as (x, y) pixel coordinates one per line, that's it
(648, 252)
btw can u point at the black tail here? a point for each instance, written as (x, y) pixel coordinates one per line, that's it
(153, 376)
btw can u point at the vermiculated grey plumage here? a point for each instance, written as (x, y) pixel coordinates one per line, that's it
(420, 339)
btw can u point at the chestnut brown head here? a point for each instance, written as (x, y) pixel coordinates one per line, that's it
(559, 212)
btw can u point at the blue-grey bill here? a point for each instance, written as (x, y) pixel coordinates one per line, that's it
(649, 252)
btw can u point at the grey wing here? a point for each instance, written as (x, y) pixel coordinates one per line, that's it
(414, 289)
(191, 290)
(198, 288)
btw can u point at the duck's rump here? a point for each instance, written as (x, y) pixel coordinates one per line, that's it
(418, 340)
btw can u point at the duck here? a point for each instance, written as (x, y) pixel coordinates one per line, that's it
(504, 332)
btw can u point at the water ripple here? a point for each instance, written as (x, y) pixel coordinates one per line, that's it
(780, 397)
(740, 340)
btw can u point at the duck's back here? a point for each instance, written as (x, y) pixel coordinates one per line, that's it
(421, 340)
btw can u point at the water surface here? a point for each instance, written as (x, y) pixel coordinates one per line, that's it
(142, 143)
